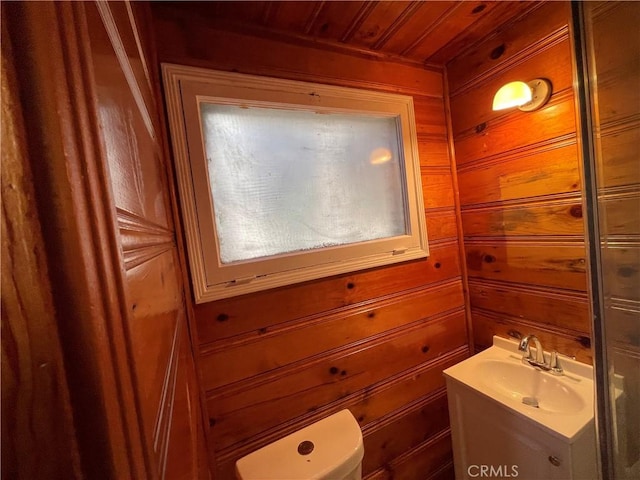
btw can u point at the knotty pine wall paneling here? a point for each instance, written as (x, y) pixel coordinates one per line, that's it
(108, 241)
(34, 380)
(373, 341)
(156, 322)
(520, 186)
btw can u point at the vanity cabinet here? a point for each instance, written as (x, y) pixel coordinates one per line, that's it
(487, 435)
(511, 420)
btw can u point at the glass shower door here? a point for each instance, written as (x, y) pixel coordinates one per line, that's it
(608, 53)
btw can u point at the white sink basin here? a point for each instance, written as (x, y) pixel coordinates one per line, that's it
(524, 383)
(562, 405)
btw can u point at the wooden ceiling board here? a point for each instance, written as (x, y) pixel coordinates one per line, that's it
(507, 42)
(414, 28)
(381, 18)
(495, 14)
(457, 19)
(313, 18)
(242, 12)
(293, 16)
(431, 33)
(335, 18)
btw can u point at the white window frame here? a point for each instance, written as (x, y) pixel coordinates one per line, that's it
(186, 87)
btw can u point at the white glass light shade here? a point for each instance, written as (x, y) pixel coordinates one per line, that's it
(513, 94)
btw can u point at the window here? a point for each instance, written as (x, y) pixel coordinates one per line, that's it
(283, 181)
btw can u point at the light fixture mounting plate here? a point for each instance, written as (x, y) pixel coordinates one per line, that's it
(540, 94)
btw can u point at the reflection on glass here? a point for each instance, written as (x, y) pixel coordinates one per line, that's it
(614, 72)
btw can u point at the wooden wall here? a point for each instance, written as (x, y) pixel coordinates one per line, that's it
(101, 289)
(34, 382)
(520, 186)
(374, 341)
(156, 325)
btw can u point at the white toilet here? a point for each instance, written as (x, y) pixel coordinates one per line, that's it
(330, 449)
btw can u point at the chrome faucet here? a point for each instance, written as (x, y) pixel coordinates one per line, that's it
(552, 367)
(524, 347)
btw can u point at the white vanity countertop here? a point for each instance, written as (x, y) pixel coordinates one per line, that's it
(566, 401)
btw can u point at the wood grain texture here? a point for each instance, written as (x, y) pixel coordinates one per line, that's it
(418, 33)
(390, 437)
(433, 150)
(537, 305)
(446, 27)
(108, 237)
(151, 284)
(520, 185)
(423, 23)
(371, 22)
(73, 194)
(183, 38)
(483, 27)
(337, 18)
(272, 362)
(431, 460)
(541, 264)
(186, 447)
(437, 188)
(257, 313)
(404, 389)
(512, 39)
(38, 437)
(487, 324)
(276, 361)
(369, 405)
(562, 218)
(320, 381)
(442, 226)
(430, 116)
(290, 344)
(473, 107)
(513, 130)
(547, 169)
(152, 281)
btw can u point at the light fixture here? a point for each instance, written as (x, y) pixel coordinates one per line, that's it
(527, 96)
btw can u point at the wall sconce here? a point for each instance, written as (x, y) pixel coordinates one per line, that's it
(527, 96)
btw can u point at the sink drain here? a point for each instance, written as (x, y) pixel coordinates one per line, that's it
(531, 401)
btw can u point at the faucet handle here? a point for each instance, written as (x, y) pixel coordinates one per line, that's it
(554, 366)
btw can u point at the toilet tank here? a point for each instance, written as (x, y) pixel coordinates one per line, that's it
(330, 449)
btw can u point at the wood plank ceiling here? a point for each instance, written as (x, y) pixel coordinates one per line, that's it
(417, 32)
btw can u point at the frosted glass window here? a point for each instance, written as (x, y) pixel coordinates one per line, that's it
(283, 181)
(292, 180)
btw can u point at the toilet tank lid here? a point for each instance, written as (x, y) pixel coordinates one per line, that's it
(335, 450)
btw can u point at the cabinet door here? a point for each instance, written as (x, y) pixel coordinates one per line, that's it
(491, 442)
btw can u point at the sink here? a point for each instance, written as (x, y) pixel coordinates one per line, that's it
(563, 405)
(528, 385)
(517, 420)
